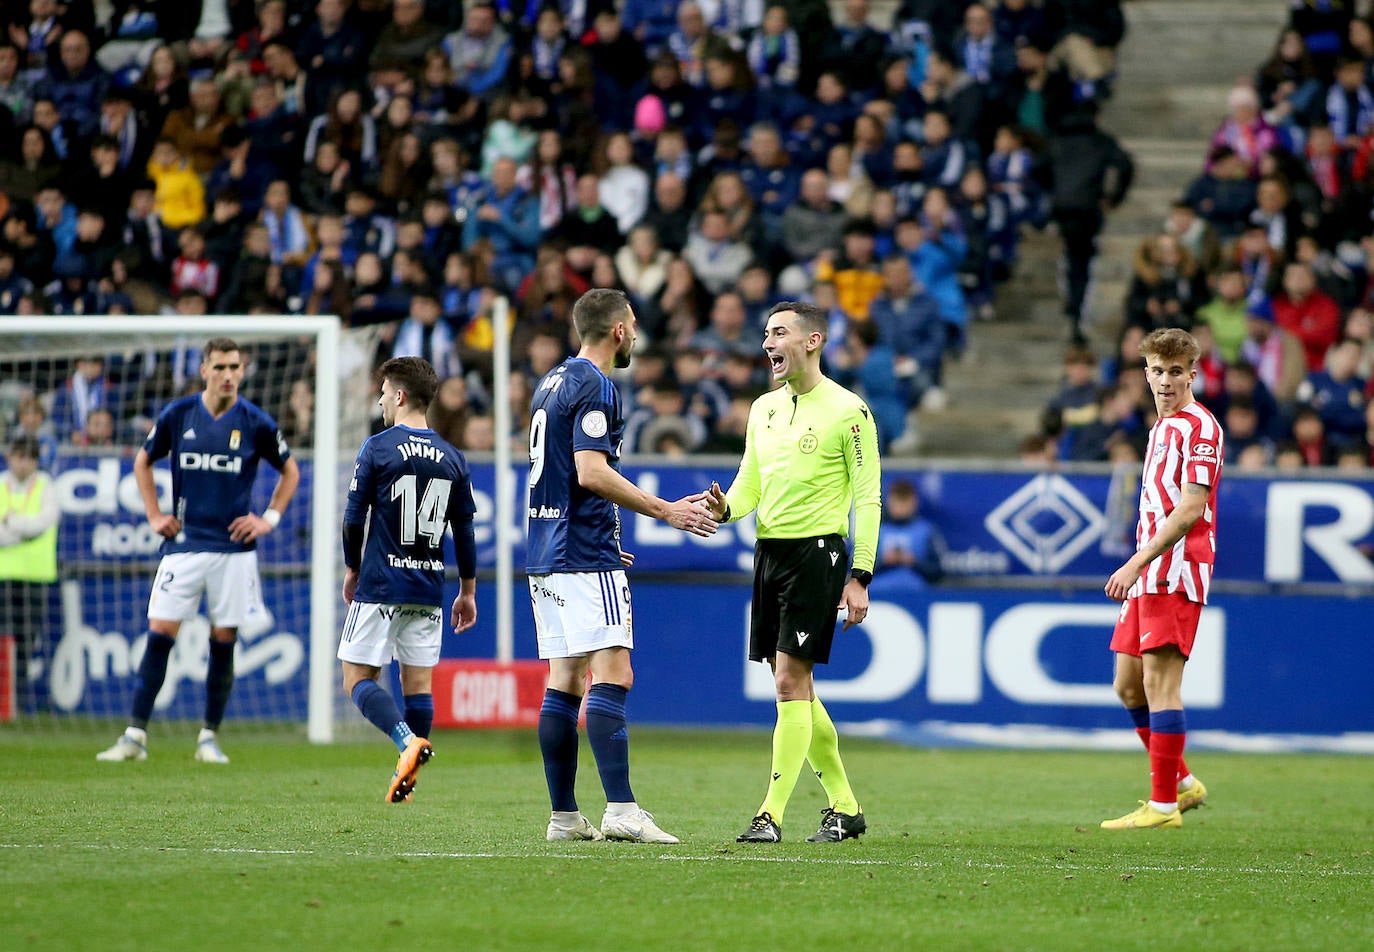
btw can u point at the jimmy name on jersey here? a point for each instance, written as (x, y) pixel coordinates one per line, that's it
(415, 485)
(214, 465)
(571, 529)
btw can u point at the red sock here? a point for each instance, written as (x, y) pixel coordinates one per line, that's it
(1144, 734)
(1166, 760)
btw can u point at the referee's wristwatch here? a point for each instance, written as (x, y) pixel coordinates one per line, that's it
(860, 576)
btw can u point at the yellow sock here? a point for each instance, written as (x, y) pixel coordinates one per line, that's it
(824, 757)
(791, 738)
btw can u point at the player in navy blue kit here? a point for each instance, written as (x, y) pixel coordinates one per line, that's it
(213, 441)
(578, 590)
(416, 487)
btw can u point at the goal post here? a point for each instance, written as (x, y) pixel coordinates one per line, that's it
(36, 357)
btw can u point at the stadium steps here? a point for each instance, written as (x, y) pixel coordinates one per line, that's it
(1179, 61)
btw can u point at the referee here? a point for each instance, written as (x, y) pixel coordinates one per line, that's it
(811, 450)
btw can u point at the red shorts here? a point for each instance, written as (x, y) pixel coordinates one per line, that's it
(1147, 622)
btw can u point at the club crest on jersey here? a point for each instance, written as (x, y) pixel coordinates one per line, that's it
(235, 438)
(594, 424)
(807, 443)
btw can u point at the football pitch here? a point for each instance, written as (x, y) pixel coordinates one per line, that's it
(291, 846)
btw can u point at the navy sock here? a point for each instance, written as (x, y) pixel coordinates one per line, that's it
(1140, 716)
(219, 681)
(379, 707)
(152, 671)
(420, 713)
(558, 744)
(610, 739)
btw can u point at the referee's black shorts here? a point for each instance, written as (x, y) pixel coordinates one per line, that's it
(797, 589)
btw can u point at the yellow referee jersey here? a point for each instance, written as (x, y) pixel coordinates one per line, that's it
(807, 458)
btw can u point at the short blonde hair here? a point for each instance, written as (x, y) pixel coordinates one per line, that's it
(1171, 343)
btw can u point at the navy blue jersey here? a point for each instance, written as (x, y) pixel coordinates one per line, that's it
(415, 485)
(214, 464)
(572, 529)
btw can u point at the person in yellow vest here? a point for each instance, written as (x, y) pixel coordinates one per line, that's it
(28, 554)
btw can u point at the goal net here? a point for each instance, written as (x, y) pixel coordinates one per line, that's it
(88, 389)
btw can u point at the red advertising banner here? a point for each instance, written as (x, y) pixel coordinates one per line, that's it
(474, 693)
(7, 678)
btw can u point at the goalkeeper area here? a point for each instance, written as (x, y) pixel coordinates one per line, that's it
(291, 846)
(88, 392)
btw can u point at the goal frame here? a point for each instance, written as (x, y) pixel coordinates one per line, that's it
(327, 332)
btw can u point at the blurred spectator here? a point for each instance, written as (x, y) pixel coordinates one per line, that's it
(1337, 394)
(87, 389)
(854, 272)
(1076, 400)
(1242, 383)
(1224, 193)
(813, 224)
(479, 434)
(1287, 82)
(162, 88)
(1245, 132)
(1350, 104)
(508, 218)
(13, 285)
(99, 430)
(669, 215)
(1307, 313)
(715, 258)
(908, 320)
(1251, 458)
(589, 228)
(29, 514)
(867, 365)
(287, 232)
(909, 545)
(297, 414)
(402, 42)
(984, 53)
(332, 49)
(552, 177)
(192, 270)
(623, 187)
(75, 84)
(1196, 234)
(350, 128)
(1241, 425)
(254, 280)
(727, 334)
(643, 265)
(31, 166)
(1090, 33)
(1090, 173)
(180, 196)
(1275, 355)
(1310, 438)
(425, 334)
(1225, 313)
(1167, 287)
(197, 127)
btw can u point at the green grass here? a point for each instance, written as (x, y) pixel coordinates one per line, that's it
(291, 846)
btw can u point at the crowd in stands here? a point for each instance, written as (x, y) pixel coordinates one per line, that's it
(1268, 259)
(404, 163)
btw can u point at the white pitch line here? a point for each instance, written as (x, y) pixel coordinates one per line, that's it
(635, 854)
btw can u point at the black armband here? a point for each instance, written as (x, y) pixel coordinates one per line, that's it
(353, 545)
(465, 549)
(860, 576)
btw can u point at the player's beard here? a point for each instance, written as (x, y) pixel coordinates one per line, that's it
(622, 354)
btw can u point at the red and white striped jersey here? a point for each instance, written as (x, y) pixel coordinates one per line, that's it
(1184, 447)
